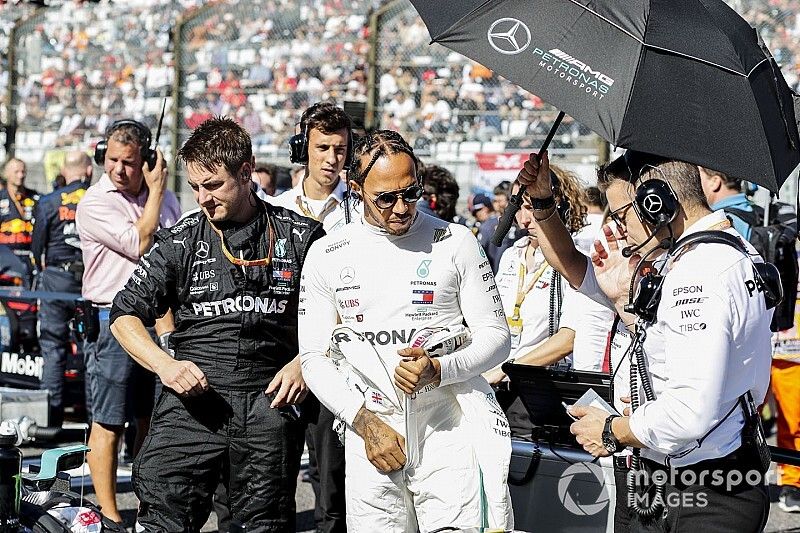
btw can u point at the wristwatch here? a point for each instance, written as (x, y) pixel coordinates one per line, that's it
(611, 443)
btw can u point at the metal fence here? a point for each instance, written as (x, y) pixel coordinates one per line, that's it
(79, 67)
(263, 62)
(69, 71)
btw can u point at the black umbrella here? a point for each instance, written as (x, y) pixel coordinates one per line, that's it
(685, 79)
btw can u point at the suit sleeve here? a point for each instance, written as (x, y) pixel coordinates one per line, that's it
(317, 318)
(482, 310)
(151, 287)
(41, 226)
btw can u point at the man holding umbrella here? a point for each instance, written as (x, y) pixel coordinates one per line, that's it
(703, 345)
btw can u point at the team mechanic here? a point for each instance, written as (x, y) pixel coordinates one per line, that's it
(388, 275)
(706, 352)
(230, 275)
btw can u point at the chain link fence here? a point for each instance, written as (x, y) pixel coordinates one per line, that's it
(79, 67)
(9, 16)
(263, 62)
(452, 108)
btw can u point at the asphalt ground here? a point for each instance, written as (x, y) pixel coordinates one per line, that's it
(779, 521)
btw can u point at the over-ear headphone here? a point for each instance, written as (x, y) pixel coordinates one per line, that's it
(298, 144)
(145, 137)
(655, 202)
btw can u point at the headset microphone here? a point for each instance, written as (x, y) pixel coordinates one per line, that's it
(630, 250)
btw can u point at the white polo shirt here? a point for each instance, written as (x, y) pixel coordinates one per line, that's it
(535, 286)
(709, 345)
(329, 211)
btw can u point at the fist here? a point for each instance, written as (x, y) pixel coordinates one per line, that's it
(535, 176)
(416, 371)
(184, 377)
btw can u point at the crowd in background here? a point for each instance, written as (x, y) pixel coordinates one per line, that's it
(84, 62)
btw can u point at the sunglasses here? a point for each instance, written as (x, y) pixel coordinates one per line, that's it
(619, 215)
(386, 200)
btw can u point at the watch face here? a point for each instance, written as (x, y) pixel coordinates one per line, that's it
(609, 444)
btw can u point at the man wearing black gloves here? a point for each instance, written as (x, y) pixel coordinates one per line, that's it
(230, 275)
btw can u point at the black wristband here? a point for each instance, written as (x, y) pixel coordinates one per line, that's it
(542, 204)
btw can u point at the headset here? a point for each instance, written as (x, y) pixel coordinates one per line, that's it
(149, 155)
(298, 144)
(767, 277)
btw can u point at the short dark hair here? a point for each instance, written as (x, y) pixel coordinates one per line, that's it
(501, 189)
(266, 169)
(594, 196)
(379, 143)
(218, 141)
(326, 117)
(729, 181)
(441, 182)
(631, 167)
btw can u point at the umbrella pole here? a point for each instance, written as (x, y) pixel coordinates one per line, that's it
(515, 202)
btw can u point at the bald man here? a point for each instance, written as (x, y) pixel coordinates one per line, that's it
(56, 249)
(17, 204)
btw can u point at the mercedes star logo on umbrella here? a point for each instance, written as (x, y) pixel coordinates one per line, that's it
(509, 36)
(683, 79)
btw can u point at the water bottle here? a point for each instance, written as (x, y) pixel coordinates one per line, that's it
(10, 468)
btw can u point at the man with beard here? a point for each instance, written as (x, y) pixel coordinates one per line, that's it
(230, 276)
(387, 275)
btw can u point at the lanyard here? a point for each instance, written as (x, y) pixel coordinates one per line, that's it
(244, 262)
(522, 289)
(329, 206)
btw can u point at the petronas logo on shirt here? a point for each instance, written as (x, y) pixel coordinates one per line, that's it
(424, 268)
(280, 248)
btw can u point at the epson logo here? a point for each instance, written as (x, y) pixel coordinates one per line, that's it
(240, 304)
(12, 363)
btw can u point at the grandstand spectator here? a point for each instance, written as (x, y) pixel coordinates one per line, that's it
(500, 200)
(56, 249)
(116, 221)
(16, 210)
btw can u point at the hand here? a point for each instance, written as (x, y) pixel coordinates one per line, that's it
(383, 444)
(494, 376)
(627, 410)
(156, 179)
(416, 371)
(612, 269)
(184, 377)
(535, 176)
(290, 385)
(588, 430)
